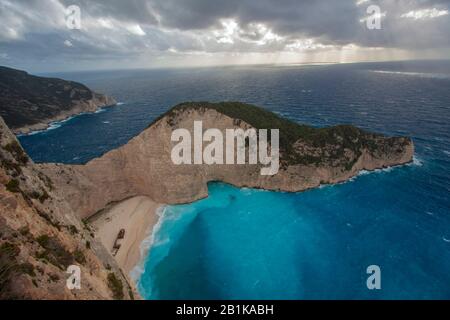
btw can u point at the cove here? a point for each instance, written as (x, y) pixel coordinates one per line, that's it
(255, 244)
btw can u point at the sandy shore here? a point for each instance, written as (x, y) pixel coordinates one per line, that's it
(137, 216)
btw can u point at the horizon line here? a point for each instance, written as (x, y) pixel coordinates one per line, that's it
(289, 64)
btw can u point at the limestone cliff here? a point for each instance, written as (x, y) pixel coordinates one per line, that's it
(309, 157)
(29, 103)
(40, 236)
(41, 232)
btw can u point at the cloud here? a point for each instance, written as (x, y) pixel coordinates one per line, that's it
(157, 30)
(136, 30)
(68, 43)
(425, 14)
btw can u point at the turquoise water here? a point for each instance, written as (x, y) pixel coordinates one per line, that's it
(252, 244)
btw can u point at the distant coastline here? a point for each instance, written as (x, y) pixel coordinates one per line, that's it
(30, 103)
(54, 124)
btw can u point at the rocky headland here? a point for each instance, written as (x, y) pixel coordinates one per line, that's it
(309, 157)
(30, 103)
(43, 205)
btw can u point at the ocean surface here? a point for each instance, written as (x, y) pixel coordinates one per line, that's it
(253, 244)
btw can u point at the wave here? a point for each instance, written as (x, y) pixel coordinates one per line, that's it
(416, 161)
(100, 110)
(51, 126)
(415, 74)
(57, 124)
(146, 245)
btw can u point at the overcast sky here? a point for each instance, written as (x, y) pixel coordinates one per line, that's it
(170, 33)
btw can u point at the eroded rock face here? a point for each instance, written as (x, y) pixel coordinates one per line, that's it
(40, 236)
(144, 167)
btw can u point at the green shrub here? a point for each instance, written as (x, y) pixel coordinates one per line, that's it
(34, 195)
(13, 186)
(116, 286)
(11, 166)
(79, 256)
(43, 240)
(53, 277)
(24, 231)
(26, 268)
(17, 152)
(44, 196)
(73, 230)
(8, 263)
(54, 252)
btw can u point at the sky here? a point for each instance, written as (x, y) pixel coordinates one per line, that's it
(47, 36)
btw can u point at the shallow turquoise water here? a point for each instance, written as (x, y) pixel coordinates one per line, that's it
(313, 245)
(253, 244)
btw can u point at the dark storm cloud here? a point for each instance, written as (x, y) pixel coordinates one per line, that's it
(334, 22)
(36, 30)
(335, 19)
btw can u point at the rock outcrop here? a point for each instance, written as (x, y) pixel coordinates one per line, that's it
(29, 103)
(309, 157)
(40, 236)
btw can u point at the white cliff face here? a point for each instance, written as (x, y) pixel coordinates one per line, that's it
(144, 167)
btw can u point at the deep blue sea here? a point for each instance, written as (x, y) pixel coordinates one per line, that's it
(253, 244)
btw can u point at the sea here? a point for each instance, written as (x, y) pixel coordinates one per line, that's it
(318, 244)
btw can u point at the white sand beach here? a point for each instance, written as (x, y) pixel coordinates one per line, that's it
(136, 216)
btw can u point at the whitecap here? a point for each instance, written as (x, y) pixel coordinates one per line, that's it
(417, 161)
(146, 245)
(363, 172)
(445, 239)
(100, 110)
(416, 74)
(57, 124)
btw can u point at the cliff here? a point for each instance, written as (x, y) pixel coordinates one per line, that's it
(40, 236)
(309, 157)
(29, 103)
(41, 232)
